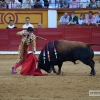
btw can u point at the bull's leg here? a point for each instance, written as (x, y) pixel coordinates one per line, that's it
(92, 68)
(52, 66)
(59, 68)
(91, 64)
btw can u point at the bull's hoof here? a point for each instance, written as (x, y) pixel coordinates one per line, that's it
(54, 71)
(58, 73)
(92, 74)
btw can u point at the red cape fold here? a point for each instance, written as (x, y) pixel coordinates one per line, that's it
(29, 66)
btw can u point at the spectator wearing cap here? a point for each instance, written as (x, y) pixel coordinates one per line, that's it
(11, 25)
(73, 19)
(64, 19)
(97, 19)
(90, 18)
(27, 24)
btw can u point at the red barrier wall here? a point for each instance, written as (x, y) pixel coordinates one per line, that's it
(9, 41)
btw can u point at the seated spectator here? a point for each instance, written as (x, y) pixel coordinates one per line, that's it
(11, 24)
(63, 3)
(14, 4)
(90, 18)
(27, 24)
(39, 25)
(98, 3)
(53, 4)
(74, 4)
(84, 3)
(46, 3)
(7, 2)
(27, 4)
(93, 4)
(3, 5)
(73, 19)
(42, 3)
(97, 19)
(37, 4)
(64, 19)
(82, 19)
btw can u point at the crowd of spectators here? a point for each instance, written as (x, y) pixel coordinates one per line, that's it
(26, 25)
(68, 19)
(29, 4)
(89, 19)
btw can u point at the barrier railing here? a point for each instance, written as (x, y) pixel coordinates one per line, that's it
(57, 4)
(9, 41)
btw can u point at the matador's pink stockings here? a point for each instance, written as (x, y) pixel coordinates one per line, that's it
(16, 66)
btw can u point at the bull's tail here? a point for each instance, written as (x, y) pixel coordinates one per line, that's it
(92, 45)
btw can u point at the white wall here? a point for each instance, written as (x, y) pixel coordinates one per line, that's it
(52, 18)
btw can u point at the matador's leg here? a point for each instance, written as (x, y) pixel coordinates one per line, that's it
(20, 58)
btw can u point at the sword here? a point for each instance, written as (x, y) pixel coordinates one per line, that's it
(41, 37)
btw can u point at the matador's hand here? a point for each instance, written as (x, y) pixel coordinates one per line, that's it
(34, 50)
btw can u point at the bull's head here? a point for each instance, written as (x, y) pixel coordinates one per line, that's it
(45, 66)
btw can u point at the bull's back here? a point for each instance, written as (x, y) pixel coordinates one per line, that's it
(64, 45)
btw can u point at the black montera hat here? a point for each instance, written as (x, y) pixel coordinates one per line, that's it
(30, 29)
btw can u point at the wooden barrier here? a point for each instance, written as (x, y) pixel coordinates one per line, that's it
(9, 41)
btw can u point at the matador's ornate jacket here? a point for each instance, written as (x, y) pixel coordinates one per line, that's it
(24, 45)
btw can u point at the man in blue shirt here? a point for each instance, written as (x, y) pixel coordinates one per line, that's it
(64, 19)
(97, 19)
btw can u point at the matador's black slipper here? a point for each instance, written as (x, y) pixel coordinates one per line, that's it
(13, 71)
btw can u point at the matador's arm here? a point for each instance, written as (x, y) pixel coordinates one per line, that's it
(21, 32)
(34, 43)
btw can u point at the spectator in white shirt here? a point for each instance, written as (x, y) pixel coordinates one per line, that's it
(27, 4)
(64, 19)
(74, 3)
(82, 20)
(11, 25)
(97, 19)
(53, 3)
(84, 3)
(27, 24)
(14, 4)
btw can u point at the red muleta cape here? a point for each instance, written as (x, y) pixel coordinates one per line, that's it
(29, 66)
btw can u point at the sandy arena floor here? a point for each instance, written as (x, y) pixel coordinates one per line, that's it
(74, 83)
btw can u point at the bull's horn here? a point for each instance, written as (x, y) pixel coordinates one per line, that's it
(37, 65)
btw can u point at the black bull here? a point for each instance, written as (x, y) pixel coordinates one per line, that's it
(66, 51)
